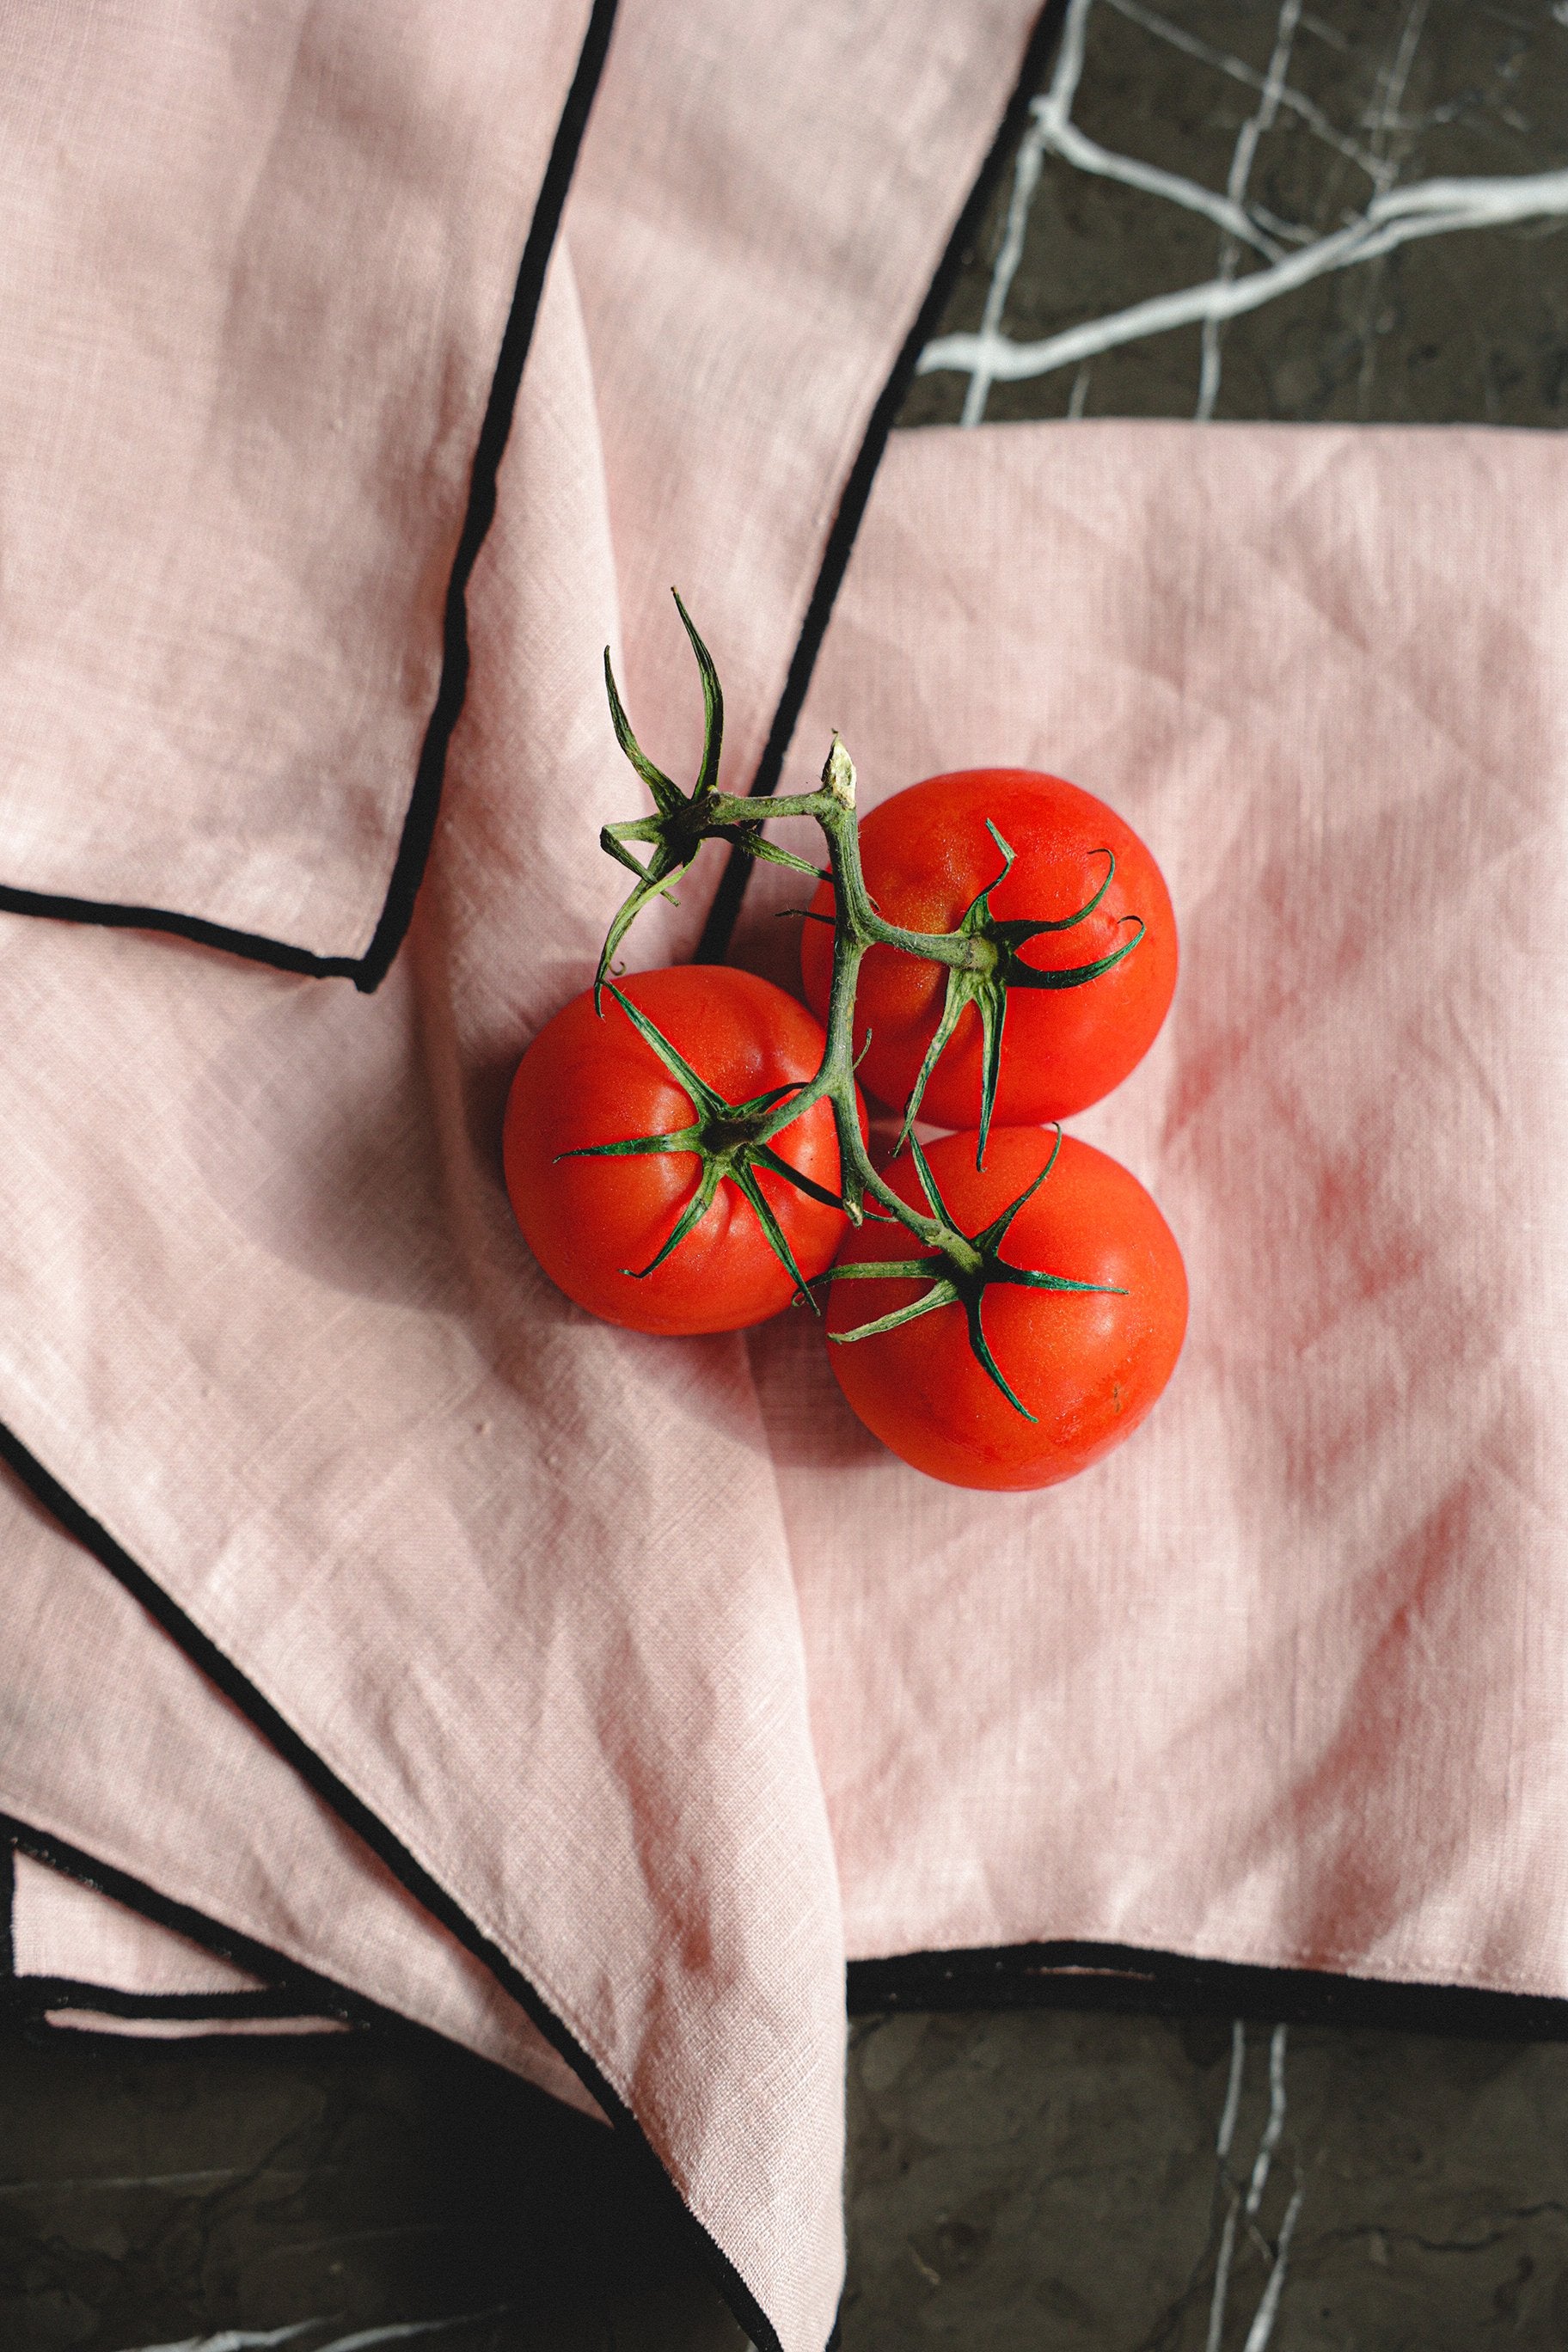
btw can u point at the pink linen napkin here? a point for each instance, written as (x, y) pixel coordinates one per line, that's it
(1281, 1680)
(509, 1590)
(161, 1782)
(61, 1928)
(477, 1556)
(83, 1961)
(259, 264)
(1209, 1697)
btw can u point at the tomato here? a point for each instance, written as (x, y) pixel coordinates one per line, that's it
(927, 855)
(593, 1222)
(1088, 1364)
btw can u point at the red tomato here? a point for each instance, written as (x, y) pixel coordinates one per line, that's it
(587, 1081)
(1089, 1365)
(927, 855)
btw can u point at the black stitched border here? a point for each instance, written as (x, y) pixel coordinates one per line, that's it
(419, 826)
(369, 969)
(7, 1916)
(726, 906)
(204, 1653)
(294, 1991)
(1126, 1977)
(306, 1991)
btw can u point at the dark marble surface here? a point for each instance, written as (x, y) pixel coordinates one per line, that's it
(1056, 2182)
(1022, 2181)
(1369, 100)
(340, 2189)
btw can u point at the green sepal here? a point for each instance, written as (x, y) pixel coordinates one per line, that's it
(682, 822)
(713, 708)
(696, 1209)
(972, 1269)
(986, 987)
(942, 1293)
(764, 1156)
(744, 1179)
(704, 1096)
(737, 1161)
(666, 794)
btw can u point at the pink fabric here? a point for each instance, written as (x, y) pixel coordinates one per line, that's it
(163, 1778)
(1281, 1680)
(258, 265)
(441, 1522)
(520, 1582)
(758, 213)
(186, 2029)
(639, 1650)
(61, 1928)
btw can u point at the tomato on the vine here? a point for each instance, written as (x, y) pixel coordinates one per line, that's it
(598, 1221)
(1088, 1364)
(928, 855)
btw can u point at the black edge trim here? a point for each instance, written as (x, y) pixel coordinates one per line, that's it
(419, 826)
(7, 1915)
(1068, 1975)
(306, 1991)
(368, 971)
(726, 906)
(280, 1733)
(110, 916)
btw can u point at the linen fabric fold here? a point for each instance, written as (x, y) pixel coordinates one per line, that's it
(81, 1961)
(60, 1928)
(479, 1557)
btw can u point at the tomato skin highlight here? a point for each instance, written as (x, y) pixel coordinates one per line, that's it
(587, 1080)
(926, 854)
(1088, 1366)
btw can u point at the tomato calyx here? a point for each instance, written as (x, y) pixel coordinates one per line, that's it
(681, 821)
(993, 965)
(729, 1140)
(973, 1264)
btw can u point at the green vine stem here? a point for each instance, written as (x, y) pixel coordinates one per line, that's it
(733, 1140)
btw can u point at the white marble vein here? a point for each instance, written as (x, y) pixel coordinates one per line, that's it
(1391, 97)
(244, 2339)
(238, 2340)
(1391, 217)
(364, 2337)
(1086, 154)
(1291, 101)
(1223, 2261)
(1270, 2140)
(1222, 2144)
(1261, 120)
(1227, 2113)
(1262, 2326)
(1240, 2207)
(116, 2181)
(1047, 115)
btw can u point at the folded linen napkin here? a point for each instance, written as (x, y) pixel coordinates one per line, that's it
(1281, 1681)
(81, 1960)
(627, 1659)
(509, 1591)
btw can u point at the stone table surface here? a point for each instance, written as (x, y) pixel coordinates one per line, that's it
(1212, 214)
(1020, 2181)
